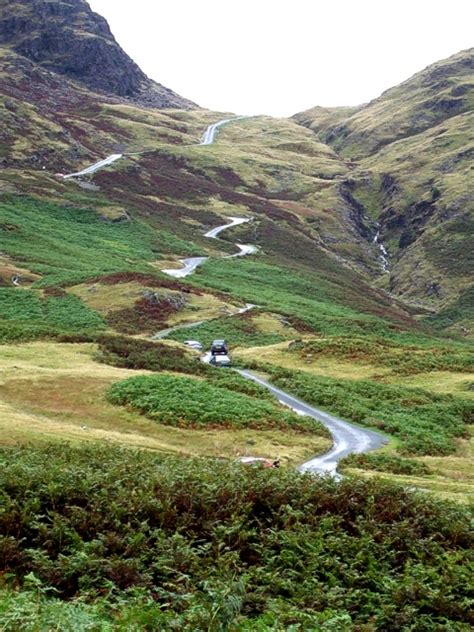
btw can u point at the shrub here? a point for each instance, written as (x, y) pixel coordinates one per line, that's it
(403, 358)
(26, 316)
(145, 542)
(131, 353)
(183, 401)
(385, 463)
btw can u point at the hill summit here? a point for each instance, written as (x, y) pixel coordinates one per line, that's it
(68, 38)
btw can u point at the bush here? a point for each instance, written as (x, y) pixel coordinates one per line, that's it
(426, 423)
(183, 401)
(131, 353)
(403, 358)
(25, 315)
(385, 463)
(151, 542)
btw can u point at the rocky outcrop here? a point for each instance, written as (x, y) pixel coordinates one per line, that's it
(68, 38)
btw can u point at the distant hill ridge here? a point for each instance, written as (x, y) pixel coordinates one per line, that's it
(68, 38)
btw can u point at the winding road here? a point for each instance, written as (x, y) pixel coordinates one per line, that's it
(190, 264)
(348, 439)
(209, 135)
(208, 138)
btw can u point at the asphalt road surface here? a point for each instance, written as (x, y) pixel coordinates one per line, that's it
(189, 265)
(95, 167)
(209, 135)
(235, 221)
(348, 439)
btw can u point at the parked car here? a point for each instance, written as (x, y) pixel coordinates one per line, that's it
(220, 361)
(194, 344)
(219, 347)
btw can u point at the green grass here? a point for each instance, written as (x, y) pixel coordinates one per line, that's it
(287, 292)
(425, 423)
(404, 357)
(188, 402)
(239, 330)
(108, 539)
(74, 243)
(460, 310)
(26, 315)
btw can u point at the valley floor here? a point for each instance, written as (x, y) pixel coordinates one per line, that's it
(56, 392)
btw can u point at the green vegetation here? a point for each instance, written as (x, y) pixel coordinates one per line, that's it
(425, 423)
(385, 463)
(288, 292)
(404, 358)
(24, 315)
(460, 310)
(185, 401)
(170, 544)
(240, 330)
(130, 353)
(72, 244)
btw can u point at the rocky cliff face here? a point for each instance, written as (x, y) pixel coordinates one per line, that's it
(68, 38)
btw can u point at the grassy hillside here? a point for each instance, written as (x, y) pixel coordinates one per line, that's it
(174, 534)
(411, 153)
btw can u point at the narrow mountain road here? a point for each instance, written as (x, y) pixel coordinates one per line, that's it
(190, 264)
(166, 332)
(208, 138)
(235, 221)
(209, 135)
(348, 439)
(95, 167)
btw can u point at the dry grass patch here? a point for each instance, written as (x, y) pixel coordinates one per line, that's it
(105, 298)
(279, 355)
(440, 382)
(56, 392)
(202, 307)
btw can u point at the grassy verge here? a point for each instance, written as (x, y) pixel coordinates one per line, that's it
(174, 544)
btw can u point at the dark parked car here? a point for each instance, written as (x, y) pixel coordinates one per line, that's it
(219, 347)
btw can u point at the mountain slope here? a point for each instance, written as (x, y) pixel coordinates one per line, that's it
(411, 153)
(432, 96)
(71, 40)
